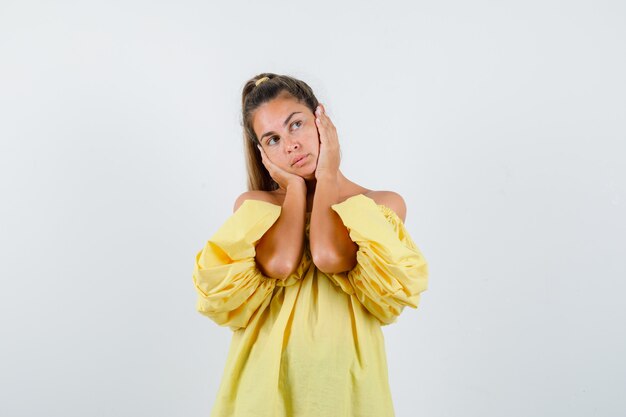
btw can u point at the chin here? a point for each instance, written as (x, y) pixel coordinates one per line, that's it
(309, 175)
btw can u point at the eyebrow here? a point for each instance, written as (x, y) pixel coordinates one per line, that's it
(284, 124)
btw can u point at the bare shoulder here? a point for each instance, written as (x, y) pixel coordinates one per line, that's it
(390, 199)
(254, 195)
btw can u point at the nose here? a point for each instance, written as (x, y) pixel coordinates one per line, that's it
(292, 145)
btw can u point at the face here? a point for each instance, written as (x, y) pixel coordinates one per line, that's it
(286, 130)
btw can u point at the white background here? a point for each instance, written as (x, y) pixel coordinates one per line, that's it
(501, 123)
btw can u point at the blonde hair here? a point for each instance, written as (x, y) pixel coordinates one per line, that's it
(252, 97)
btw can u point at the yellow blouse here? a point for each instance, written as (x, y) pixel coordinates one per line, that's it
(310, 345)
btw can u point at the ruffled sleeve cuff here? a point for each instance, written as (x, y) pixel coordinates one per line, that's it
(230, 287)
(391, 271)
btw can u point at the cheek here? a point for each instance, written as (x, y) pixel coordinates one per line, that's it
(313, 137)
(277, 157)
(273, 154)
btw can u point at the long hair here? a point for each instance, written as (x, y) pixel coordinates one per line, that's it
(252, 97)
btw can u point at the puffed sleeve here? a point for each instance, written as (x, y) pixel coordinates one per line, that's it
(230, 286)
(391, 271)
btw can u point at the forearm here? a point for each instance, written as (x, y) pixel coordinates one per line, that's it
(332, 249)
(279, 251)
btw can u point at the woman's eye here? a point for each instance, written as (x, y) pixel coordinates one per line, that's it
(269, 141)
(299, 123)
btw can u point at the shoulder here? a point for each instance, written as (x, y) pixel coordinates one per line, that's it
(390, 199)
(266, 196)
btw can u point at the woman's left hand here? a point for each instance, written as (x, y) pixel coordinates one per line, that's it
(329, 157)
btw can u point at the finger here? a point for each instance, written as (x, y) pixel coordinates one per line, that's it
(327, 126)
(272, 168)
(325, 118)
(322, 112)
(264, 157)
(325, 121)
(328, 132)
(263, 154)
(319, 113)
(321, 130)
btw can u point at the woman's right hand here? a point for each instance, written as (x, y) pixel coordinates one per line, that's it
(282, 177)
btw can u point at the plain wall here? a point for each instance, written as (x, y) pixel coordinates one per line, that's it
(502, 124)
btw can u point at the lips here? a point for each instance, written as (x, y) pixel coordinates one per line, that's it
(297, 159)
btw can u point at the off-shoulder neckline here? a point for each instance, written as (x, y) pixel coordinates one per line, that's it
(385, 207)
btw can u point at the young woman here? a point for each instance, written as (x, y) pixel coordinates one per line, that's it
(306, 270)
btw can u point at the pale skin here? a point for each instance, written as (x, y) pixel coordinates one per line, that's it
(310, 185)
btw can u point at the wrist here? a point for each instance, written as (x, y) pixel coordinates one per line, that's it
(327, 177)
(296, 184)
